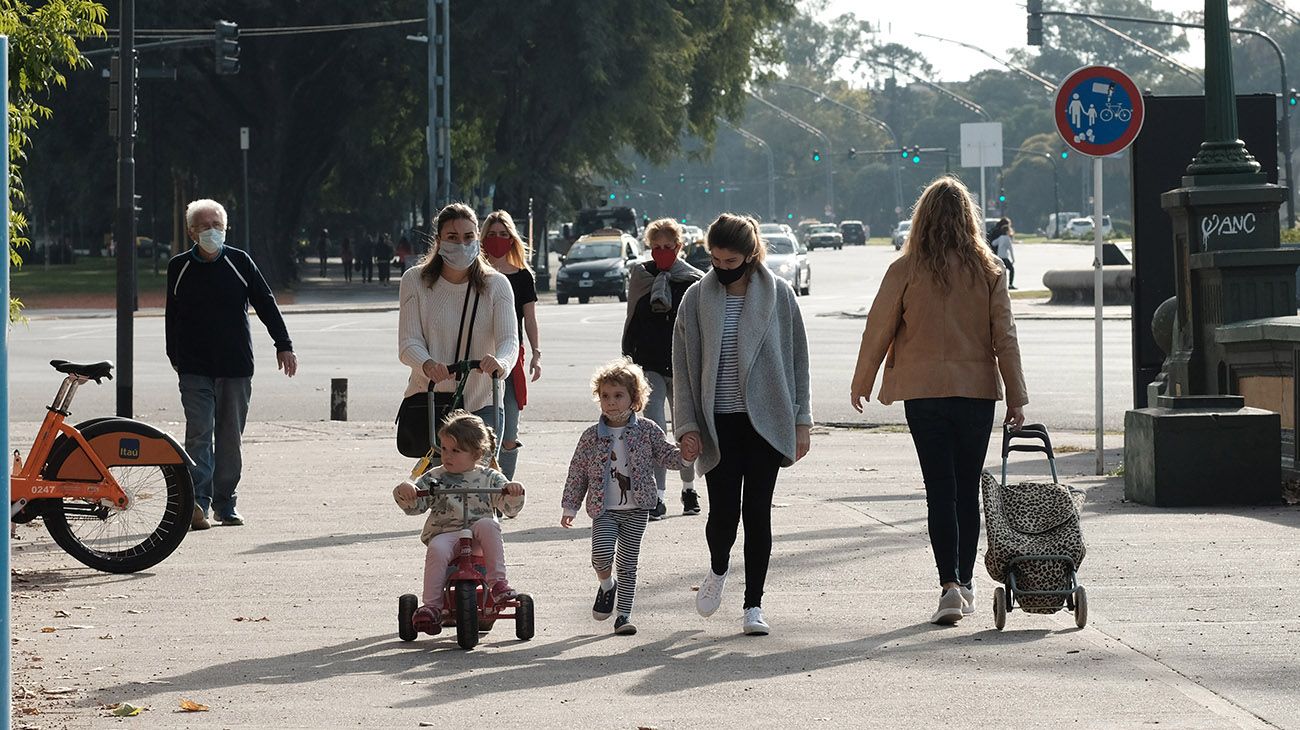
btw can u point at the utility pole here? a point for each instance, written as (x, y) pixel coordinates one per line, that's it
(248, 228)
(124, 230)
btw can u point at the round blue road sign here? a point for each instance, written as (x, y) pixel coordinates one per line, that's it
(1098, 110)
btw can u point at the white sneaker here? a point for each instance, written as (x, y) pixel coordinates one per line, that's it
(709, 596)
(754, 624)
(950, 608)
(967, 599)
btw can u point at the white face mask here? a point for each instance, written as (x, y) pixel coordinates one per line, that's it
(459, 256)
(211, 240)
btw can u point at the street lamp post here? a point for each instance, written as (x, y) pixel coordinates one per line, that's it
(830, 151)
(771, 166)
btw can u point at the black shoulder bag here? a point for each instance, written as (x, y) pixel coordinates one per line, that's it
(418, 413)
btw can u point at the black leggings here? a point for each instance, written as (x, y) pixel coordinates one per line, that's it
(952, 437)
(742, 484)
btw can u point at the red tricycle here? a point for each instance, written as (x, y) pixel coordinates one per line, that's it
(467, 603)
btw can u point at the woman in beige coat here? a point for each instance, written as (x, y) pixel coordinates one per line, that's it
(942, 325)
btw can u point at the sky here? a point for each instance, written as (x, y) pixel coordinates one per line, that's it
(994, 25)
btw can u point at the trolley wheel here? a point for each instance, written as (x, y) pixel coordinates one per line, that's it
(583, 300)
(1080, 607)
(999, 607)
(467, 614)
(524, 617)
(622, 295)
(406, 606)
(132, 539)
(561, 298)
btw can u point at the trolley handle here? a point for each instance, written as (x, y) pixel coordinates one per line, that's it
(462, 368)
(1036, 432)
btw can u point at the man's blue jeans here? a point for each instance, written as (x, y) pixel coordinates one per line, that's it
(215, 412)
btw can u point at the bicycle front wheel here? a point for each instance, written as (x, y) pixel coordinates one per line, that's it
(132, 539)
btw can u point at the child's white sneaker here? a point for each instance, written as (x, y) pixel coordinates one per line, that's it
(709, 596)
(950, 608)
(754, 624)
(967, 598)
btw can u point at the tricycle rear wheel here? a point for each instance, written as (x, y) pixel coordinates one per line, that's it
(406, 606)
(524, 617)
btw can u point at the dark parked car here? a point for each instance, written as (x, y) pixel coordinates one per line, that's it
(854, 233)
(597, 266)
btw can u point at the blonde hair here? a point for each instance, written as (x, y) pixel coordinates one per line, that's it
(947, 225)
(737, 233)
(626, 374)
(519, 251)
(667, 228)
(431, 265)
(469, 432)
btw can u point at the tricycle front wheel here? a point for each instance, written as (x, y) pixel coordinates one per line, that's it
(524, 617)
(406, 606)
(467, 614)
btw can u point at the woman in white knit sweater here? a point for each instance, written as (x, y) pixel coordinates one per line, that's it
(454, 307)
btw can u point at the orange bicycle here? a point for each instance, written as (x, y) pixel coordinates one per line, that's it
(115, 493)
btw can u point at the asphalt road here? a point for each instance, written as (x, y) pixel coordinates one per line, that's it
(361, 346)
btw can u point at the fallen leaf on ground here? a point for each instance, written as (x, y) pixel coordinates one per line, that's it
(106, 636)
(61, 614)
(133, 610)
(29, 710)
(48, 629)
(426, 724)
(124, 709)
(59, 690)
(251, 620)
(192, 706)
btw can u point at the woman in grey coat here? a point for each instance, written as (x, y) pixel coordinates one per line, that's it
(739, 332)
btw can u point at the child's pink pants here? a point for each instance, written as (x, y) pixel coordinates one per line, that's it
(442, 547)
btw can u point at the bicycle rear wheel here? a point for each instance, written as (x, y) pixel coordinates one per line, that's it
(138, 537)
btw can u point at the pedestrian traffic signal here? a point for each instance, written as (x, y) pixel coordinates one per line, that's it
(1034, 23)
(817, 156)
(226, 48)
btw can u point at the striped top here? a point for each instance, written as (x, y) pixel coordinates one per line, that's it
(729, 398)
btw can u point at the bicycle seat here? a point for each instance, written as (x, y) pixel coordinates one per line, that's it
(94, 370)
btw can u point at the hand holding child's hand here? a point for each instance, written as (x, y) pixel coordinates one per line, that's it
(404, 494)
(566, 521)
(513, 489)
(690, 446)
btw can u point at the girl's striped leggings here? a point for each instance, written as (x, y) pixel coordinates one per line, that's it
(617, 533)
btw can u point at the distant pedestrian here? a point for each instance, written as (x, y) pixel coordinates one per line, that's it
(506, 251)
(655, 291)
(612, 472)
(209, 288)
(384, 257)
(345, 252)
(366, 256)
(1002, 244)
(740, 401)
(322, 249)
(404, 254)
(941, 322)
(455, 307)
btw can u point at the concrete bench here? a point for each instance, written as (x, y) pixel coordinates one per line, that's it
(1075, 286)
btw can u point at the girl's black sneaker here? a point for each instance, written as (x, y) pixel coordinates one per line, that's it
(603, 608)
(623, 625)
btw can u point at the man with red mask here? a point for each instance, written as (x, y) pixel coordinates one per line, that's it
(655, 290)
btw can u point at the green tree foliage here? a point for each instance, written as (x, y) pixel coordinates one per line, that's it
(42, 46)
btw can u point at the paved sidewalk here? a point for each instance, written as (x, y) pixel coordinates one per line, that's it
(289, 621)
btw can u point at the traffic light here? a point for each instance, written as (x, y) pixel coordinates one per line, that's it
(853, 152)
(1002, 196)
(681, 177)
(789, 216)
(1293, 98)
(1065, 154)
(1034, 24)
(706, 187)
(613, 196)
(904, 152)
(817, 156)
(643, 179)
(226, 48)
(137, 206)
(916, 155)
(722, 186)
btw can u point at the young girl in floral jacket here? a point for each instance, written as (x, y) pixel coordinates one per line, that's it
(614, 466)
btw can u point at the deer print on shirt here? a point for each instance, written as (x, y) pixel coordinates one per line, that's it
(624, 481)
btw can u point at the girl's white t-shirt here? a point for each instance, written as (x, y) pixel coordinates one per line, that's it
(618, 488)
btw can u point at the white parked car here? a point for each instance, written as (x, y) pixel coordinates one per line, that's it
(789, 260)
(900, 233)
(1081, 227)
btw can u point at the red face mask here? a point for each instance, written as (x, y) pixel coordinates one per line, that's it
(663, 257)
(497, 246)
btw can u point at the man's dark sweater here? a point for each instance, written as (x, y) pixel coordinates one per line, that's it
(207, 314)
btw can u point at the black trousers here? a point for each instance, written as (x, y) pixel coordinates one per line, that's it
(741, 485)
(1011, 272)
(952, 438)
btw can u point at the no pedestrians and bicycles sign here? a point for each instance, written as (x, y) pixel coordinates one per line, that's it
(1098, 111)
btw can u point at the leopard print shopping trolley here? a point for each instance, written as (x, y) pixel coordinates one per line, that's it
(1035, 544)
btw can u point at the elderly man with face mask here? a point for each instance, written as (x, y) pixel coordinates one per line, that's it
(209, 344)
